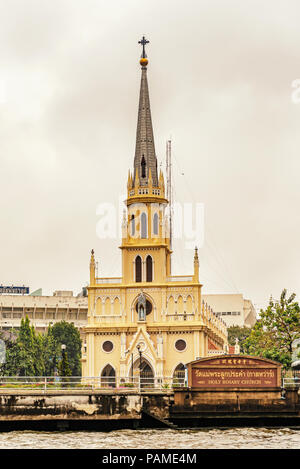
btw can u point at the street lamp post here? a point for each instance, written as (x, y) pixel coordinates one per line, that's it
(63, 370)
(140, 352)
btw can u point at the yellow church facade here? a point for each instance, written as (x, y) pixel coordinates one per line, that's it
(147, 322)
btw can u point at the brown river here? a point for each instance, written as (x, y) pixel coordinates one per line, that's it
(229, 438)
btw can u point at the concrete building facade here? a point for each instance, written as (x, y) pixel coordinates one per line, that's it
(234, 309)
(43, 310)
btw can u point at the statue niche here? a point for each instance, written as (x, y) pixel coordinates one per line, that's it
(141, 307)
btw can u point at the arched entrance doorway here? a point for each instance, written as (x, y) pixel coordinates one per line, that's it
(144, 370)
(108, 377)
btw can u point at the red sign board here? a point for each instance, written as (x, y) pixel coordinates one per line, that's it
(234, 371)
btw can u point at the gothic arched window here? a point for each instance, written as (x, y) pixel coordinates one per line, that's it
(155, 224)
(143, 164)
(149, 269)
(144, 225)
(138, 269)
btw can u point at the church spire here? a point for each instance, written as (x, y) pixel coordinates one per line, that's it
(145, 157)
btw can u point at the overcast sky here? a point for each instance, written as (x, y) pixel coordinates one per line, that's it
(220, 78)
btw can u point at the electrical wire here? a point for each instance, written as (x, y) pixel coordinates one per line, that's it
(213, 248)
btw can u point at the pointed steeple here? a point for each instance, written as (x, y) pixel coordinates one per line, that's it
(129, 181)
(145, 157)
(162, 183)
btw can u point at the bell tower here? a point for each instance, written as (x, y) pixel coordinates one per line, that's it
(145, 235)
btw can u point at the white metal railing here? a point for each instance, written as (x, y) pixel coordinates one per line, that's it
(105, 383)
(73, 383)
(212, 352)
(107, 319)
(186, 278)
(295, 381)
(108, 280)
(181, 316)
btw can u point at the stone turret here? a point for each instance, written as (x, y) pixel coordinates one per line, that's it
(196, 266)
(92, 268)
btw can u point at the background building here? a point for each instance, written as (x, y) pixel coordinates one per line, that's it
(234, 309)
(43, 310)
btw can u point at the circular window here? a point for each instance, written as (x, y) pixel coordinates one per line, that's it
(180, 345)
(148, 307)
(107, 346)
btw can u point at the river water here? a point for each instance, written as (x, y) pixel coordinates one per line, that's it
(230, 438)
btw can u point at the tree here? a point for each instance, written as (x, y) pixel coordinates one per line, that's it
(9, 337)
(66, 333)
(63, 365)
(240, 333)
(49, 351)
(22, 356)
(23, 353)
(274, 333)
(29, 353)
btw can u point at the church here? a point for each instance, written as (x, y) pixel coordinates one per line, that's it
(147, 322)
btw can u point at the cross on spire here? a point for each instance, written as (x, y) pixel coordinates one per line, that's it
(143, 42)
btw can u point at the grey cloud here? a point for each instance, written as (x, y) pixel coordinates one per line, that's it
(220, 78)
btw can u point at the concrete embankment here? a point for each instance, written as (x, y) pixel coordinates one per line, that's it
(82, 409)
(108, 410)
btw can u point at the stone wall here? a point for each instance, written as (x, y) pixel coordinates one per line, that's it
(83, 406)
